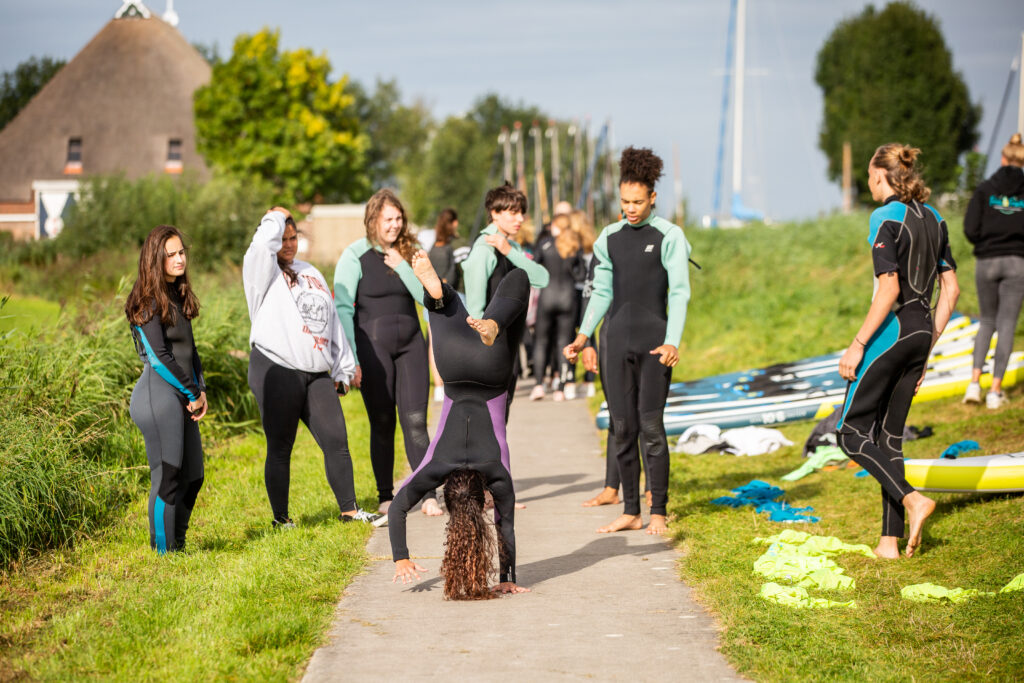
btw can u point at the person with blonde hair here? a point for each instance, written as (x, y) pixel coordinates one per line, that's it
(375, 293)
(994, 224)
(886, 361)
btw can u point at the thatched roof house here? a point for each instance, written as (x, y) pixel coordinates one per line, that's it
(123, 104)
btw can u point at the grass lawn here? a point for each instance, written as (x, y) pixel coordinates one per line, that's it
(27, 314)
(973, 541)
(242, 602)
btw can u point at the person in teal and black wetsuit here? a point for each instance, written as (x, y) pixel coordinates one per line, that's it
(170, 397)
(886, 361)
(495, 253)
(641, 289)
(375, 293)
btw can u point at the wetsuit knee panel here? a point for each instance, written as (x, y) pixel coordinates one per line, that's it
(652, 428)
(168, 489)
(416, 426)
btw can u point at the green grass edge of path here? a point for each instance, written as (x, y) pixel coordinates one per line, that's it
(242, 602)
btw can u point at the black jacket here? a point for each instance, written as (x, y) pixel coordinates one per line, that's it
(994, 222)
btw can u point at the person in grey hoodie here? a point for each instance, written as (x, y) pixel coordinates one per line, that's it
(300, 361)
(994, 224)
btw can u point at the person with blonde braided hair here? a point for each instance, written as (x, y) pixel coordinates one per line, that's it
(886, 361)
(994, 224)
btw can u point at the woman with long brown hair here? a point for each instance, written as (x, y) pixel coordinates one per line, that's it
(375, 293)
(170, 397)
(886, 360)
(469, 452)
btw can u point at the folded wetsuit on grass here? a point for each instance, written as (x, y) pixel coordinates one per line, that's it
(795, 596)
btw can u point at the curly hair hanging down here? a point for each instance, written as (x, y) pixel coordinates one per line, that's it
(469, 549)
(640, 165)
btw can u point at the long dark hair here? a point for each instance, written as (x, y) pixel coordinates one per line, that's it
(445, 228)
(286, 267)
(405, 243)
(469, 549)
(150, 294)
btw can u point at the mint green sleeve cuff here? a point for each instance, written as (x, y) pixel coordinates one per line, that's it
(537, 274)
(411, 282)
(347, 274)
(475, 271)
(675, 257)
(601, 294)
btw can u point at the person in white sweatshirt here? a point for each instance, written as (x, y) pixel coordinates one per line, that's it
(299, 362)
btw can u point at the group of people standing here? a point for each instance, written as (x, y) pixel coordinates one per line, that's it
(310, 342)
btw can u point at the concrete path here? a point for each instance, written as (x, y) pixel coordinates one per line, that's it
(607, 607)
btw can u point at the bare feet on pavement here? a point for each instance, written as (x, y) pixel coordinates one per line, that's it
(430, 508)
(658, 525)
(488, 329)
(918, 507)
(608, 496)
(623, 523)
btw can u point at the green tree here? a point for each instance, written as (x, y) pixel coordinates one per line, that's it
(398, 133)
(22, 84)
(274, 116)
(888, 77)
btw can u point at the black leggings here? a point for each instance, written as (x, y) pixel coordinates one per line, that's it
(175, 455)
(286, 396)
(636, 386)
(870, 429)
(393, 356)
(553, 331)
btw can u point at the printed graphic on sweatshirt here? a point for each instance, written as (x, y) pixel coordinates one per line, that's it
(314, 311)
(1005, 205)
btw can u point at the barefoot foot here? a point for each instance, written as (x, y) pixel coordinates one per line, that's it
(608, 496)
(919, 508)
(623, 523)
(425, 273)
(382, 508)
(658, 525)
(888, 548)
(430, 508)
(486, 328)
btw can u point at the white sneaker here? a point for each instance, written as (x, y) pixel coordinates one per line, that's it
(438, 394)
(591, 390)
(537, 393)
(569, 391)
(973, 393)
(994, 401)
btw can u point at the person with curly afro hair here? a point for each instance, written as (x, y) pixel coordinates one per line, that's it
(641, 289)
(469, 454)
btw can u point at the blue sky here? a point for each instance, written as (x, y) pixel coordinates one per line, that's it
(654, 67)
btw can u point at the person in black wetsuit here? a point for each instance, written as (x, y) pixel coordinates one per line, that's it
(442, 257)
(375, 293)
(558, 251)
(496, 252)
(170, 397)
(642, 283)
(469, 451)
(886, 361)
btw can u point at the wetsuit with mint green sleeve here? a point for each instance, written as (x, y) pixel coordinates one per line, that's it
(486, 266)
(641, 289)
(377, 308)
(172, 376)
(910, 239)
(471, 430)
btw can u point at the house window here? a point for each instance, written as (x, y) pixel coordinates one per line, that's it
(173, 162)
(73, 163)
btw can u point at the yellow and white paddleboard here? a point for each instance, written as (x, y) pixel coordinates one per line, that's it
(983, 473)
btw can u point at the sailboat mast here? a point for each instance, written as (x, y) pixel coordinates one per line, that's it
(737, 107)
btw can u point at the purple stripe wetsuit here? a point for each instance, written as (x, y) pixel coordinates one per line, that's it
(471, 431)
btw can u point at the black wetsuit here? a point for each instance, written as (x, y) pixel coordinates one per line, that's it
(642, 283)
(910, 240)
(377, 309)
(556, 309)
(471, 430)
(172, 376)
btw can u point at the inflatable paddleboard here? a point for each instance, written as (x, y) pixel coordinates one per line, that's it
(983, 473)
